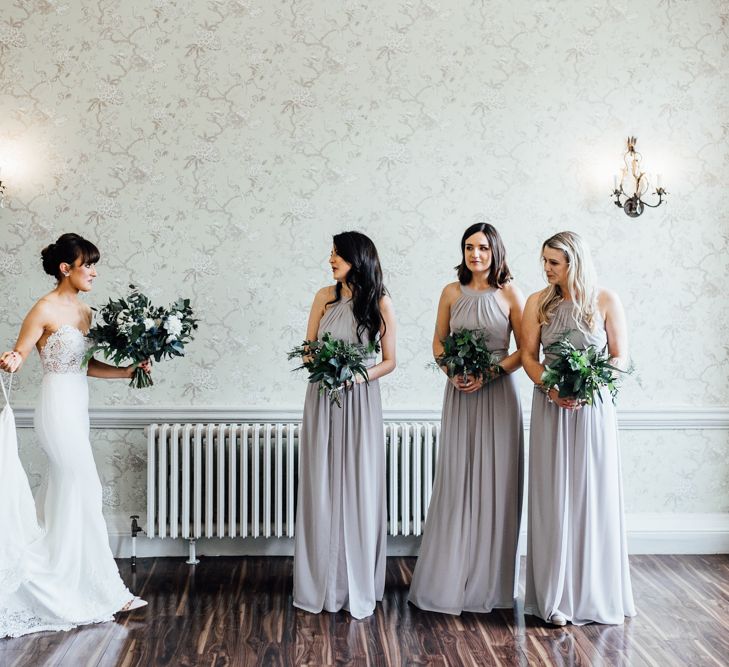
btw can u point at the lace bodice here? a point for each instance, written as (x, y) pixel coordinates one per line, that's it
(64, 350)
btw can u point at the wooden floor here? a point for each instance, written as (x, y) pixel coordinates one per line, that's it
(237, 611)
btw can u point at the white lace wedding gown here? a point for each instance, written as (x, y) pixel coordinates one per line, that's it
(60, 573)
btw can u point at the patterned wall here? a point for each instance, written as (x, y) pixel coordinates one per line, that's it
(212, 149)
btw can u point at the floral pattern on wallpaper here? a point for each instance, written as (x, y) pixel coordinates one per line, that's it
(211, 149)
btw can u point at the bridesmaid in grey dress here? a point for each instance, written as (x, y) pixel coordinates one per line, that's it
(577, 557)
(340, 546)
(468, 555)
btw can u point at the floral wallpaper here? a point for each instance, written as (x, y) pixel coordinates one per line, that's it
(212, 149)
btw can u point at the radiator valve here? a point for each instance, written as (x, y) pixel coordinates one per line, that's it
(136, 528)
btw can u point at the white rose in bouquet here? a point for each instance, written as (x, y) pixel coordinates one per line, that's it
(132, 328)
(173, 326)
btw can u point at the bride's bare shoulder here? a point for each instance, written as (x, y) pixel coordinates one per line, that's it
(42, 316)
(46, 306)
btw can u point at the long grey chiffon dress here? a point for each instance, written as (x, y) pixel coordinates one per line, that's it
(468, 557)
(341, 517)
(577, 556)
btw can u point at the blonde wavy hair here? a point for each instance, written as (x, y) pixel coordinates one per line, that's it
(581, 282)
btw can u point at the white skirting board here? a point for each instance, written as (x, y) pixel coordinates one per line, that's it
(650, 533)
(656, 533)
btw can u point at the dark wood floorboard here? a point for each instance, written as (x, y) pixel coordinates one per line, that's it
(231, 612)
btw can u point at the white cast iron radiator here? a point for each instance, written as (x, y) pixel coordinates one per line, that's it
(239, 480)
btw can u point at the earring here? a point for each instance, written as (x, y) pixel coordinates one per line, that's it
(66, 274)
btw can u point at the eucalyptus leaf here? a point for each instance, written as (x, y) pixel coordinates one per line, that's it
(332, 363)
(465, 353)
(122, 333)
(580, 373)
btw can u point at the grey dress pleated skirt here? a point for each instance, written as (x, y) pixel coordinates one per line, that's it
(468, 556)
(341, 541)
(577, 556)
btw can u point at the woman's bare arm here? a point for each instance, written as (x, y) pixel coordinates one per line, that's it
(31, 331)
(615, 327)
(515, 299)
(388, 343)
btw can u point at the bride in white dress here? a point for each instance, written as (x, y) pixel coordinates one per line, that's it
(59, 573)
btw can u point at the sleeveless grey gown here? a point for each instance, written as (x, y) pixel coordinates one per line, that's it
(341, 516)
(577, 556)
(468, 557)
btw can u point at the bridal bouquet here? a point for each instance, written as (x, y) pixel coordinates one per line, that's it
(465, 353)
(580, 373)
(134, 329)
(332, 363)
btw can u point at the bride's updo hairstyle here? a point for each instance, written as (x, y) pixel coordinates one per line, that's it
(67, 249)
(364, 279)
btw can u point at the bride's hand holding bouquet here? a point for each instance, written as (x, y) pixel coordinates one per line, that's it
(132, 328)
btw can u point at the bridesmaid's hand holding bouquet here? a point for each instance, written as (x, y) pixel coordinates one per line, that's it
(580, 374)
(333, 363)
(132, 328)
(465, 353)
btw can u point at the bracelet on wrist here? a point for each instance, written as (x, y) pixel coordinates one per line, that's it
(545, 391)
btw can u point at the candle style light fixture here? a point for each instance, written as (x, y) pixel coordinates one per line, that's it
(632, 179)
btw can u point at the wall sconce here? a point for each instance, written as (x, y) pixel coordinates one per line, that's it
(633, 179)
(2, 194)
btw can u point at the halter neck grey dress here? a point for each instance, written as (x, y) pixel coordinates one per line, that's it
(468, 557)
(577, 556)
(341, 516)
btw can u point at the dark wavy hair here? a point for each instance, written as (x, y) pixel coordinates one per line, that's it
(499, 274)
(364, 279)
(68, 248)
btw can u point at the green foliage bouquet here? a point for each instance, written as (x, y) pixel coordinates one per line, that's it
(332, 363)
(132, 328)
(465, 353)
(580, 373)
